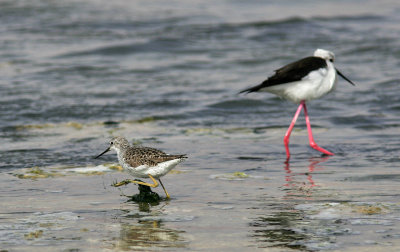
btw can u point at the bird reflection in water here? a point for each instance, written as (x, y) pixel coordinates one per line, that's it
(148, 234)
(280, 225)
(142, 228)
(292, 183)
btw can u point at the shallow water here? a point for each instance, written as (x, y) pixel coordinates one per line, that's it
(166, 74)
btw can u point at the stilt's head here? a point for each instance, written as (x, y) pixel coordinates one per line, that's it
(117, 143)
(327, 55)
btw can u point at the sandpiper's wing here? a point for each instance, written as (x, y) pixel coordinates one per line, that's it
(292, 72)
(137, 156)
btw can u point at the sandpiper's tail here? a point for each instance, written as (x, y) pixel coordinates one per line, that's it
(181, 156)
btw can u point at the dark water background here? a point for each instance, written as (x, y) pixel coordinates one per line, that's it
(166, 74)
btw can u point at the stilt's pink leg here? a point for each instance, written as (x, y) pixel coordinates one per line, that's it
(289, 131)
(310, 136)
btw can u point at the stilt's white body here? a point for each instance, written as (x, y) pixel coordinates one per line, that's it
(315, 85)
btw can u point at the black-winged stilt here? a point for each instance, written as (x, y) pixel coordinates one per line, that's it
(303, 80)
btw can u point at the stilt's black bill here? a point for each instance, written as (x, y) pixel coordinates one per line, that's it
(344, 77)
(102, 153)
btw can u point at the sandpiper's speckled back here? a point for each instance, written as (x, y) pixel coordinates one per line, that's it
(139, 155)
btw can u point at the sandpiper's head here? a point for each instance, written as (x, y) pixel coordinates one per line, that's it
(117, 143)
(327, 55)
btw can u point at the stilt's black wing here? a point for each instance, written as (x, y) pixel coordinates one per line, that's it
(292, 72)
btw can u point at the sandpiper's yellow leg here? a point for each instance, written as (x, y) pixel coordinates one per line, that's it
(127, 181)
(166, 193)
(124, 182)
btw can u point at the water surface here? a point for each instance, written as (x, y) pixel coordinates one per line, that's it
(166, 74)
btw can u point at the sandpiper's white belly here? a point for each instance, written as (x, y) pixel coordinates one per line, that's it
(157, 171)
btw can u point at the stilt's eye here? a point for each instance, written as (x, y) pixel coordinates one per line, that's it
(331, 60)
(111, 142)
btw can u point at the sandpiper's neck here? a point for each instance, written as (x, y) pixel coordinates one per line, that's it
(121, 154)
(121, 150)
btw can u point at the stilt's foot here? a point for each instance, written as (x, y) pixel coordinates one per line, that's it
(287, 151)
(287, 155)
(320, 149)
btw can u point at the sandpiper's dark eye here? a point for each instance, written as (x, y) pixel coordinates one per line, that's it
(331, 60)
(111, 142)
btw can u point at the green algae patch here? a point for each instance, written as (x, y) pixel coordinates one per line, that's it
(239, 130)
(198, 131)
(347, 210)
(240, 175)
(114, 167)
(114, 125)
(145, 120)
(34, 126)
(176, 172)
(37, 173)
(145, 195)
(46, 225)
(93, 173)
(34, 235)
(368, 209)
(232, 176)
(75, 125)
(217, 131)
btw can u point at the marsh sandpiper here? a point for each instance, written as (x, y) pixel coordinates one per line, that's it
(143, 162)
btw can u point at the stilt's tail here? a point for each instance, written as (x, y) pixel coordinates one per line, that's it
(252, 89)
